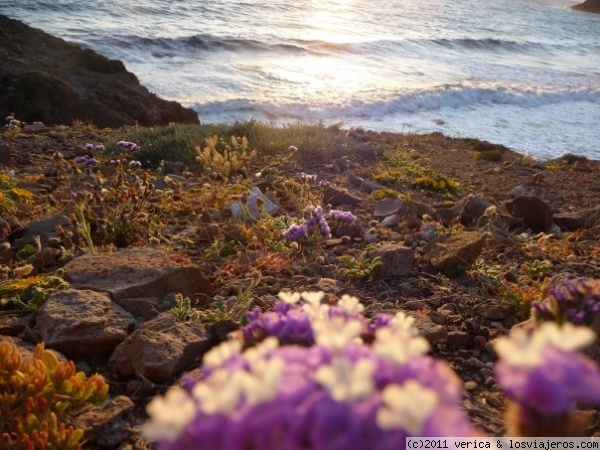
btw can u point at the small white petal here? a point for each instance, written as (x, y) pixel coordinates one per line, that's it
(220, 354)
(169, 415)
(406, 407)
(289, 297)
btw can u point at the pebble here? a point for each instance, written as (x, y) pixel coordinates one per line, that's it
(470, 385)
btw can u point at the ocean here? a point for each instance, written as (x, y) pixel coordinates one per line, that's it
(523, 73)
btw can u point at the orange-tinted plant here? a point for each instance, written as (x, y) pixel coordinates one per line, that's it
(36, 395)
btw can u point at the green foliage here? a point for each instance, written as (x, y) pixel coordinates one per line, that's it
(26, 295)
(361, 268)
(181, 308)
(174, 142)
(222, 249)
(222, 159)
(437, 182)
(538, 268)
(316, 143)
(234, 309)
(37, 394)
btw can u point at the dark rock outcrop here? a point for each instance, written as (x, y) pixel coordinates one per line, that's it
(47, 79)
(588, 6)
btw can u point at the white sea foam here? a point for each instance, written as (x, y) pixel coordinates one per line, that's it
(524, 73)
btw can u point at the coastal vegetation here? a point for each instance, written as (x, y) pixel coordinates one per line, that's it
(334, 315)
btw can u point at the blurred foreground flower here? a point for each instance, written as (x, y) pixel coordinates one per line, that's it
(325, 390)
(544, 376)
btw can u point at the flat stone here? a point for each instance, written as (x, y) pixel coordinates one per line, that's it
(570, 221)
(44, 228)
(455, 252)
(160, 349)
(397, 260)
(389, 206)
(420, 209)
(457, 339)
(336, 196)
(391, 221)
(82, 323)
(432, 332)
(369, 186)
(105, 426)
(492, 312)
(137, 272)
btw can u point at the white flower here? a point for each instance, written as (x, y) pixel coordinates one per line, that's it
(169, 415)
(399, 346)
(406, 407)
(521, 349)
(345, 381)
(260, 351)
(313, 298)
(222, 353)
(262, 384)
(350, 304)
(221, 392)
(336, 332)
(404, 322)
(566, 337)
(289, 297)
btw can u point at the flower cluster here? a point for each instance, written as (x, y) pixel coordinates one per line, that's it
(315, 222)
(576, 301)
(335, 394)
(12, 123)
(91, 147)
(342, 216)
(86, 160)
(542, 371)
(126, 145)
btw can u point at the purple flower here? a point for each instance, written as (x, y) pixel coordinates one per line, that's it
(342, 216)
(135, 164)
(91, 162)
(115, 162)
(80, 159)
(99, 148)
(576, 301)
(89, 147)
(123, 144)
(293, 148)
(543, 372)
(294, 233)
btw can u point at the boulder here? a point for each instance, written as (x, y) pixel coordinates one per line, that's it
(160, 349)
(82, 324)
(46, 78)
(137, 272)
(397, 260)
(534, 212)
(455, 252)
(592, 6)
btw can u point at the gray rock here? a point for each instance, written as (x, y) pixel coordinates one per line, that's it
(535, 213)
(492, 312)
(473, 209)
(137, 272)
(369, 186)
(428, 231)
(388, 207)
(160, 349)
(44, 228)
(432, 332)
(105, 426)
(335, 196)
(82, 323)
(455, 252)
(391, 221)
(5, 155)
(457, 339)
(570, 221)
(397, 260)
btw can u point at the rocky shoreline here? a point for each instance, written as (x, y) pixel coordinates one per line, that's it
(535, 224)
(45, 78)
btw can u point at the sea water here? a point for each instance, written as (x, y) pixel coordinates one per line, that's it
(523, 73)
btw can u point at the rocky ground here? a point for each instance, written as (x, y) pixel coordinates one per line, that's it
(465, 260)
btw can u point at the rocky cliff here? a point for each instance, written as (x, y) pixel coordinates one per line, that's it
(44, 78)
(588, 6)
